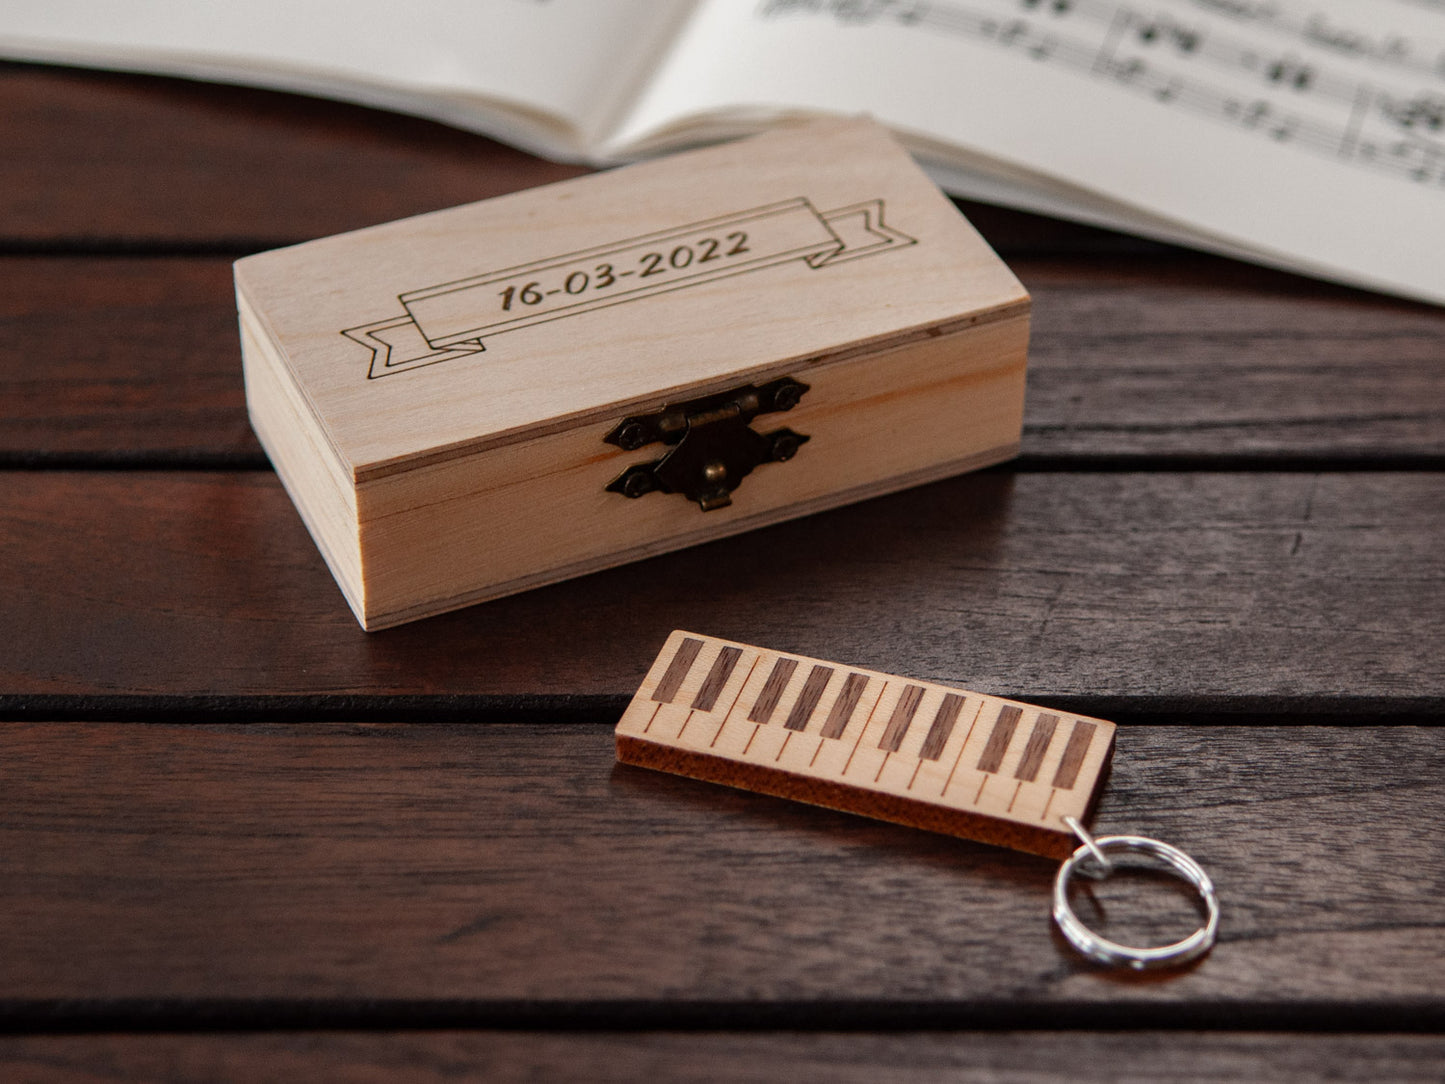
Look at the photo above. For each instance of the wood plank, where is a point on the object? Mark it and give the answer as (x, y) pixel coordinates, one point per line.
(1097, 593)
(1022, 1057)
(1190, 359)
(1206, 358)
(232, 156)
(117, 359)
(306, 870)
(243, 168)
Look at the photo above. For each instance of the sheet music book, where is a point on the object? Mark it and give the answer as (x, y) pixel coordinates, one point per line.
(1303, 134)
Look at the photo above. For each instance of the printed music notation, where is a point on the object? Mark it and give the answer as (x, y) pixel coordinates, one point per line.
(1296, 78)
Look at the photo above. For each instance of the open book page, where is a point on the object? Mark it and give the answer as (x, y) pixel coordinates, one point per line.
(1305, 133)
(546, 74)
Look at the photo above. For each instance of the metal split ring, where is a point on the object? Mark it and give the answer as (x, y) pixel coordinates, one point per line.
(1100, 949)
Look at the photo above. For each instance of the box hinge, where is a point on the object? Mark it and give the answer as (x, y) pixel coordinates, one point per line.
(714, 445)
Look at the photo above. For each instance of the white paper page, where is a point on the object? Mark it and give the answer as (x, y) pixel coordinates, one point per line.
(1308, 132)
(560, 66)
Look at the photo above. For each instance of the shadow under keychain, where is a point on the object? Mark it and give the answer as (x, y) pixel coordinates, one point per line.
(915, 753)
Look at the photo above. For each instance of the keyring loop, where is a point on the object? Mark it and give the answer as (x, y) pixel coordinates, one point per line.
(1102, 950)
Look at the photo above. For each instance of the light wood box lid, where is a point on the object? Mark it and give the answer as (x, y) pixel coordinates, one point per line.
(449, 270)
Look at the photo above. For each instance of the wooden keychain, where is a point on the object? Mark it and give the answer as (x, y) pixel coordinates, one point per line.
(912, 752)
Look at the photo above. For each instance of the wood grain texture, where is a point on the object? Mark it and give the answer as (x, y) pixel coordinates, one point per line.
(242, 168)
(1190, 359)
(1218, 359)
(1022, 1057)
(114, 359)
(1097, 593)
(500, 866)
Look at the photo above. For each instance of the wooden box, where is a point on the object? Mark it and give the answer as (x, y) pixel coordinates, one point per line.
(481, 400)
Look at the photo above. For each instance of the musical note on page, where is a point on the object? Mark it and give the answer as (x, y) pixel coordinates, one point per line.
(1284, 74)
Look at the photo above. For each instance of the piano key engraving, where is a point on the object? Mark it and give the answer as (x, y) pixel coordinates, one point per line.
(808, 698)
(677, 671)
(772, 691)
(998, 742)
(1074, 753)
(843, 707)
(903, 712)
(867, 721)
(733, 702)
(942, 727)
(1033, 758)
(938, 784)
(717, 679)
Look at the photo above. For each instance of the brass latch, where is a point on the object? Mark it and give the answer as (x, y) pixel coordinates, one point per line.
(714, 446)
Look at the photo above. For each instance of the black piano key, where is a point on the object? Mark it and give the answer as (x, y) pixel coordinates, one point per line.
(843, 707)
(717, 678)
(902, 716)
(1033, 758)
(772, 690)
(808, 698)
(677, 670)
(1074, 753)
(942, 727)
(1003, 732)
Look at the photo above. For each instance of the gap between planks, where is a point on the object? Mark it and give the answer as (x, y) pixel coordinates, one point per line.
(603, 710)
(241, 1015)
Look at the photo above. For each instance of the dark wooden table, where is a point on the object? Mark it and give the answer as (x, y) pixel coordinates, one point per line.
(239, 838)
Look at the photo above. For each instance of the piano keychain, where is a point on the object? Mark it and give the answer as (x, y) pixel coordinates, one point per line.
(912, 752)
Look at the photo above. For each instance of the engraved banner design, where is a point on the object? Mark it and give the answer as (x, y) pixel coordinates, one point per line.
(451, 319)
